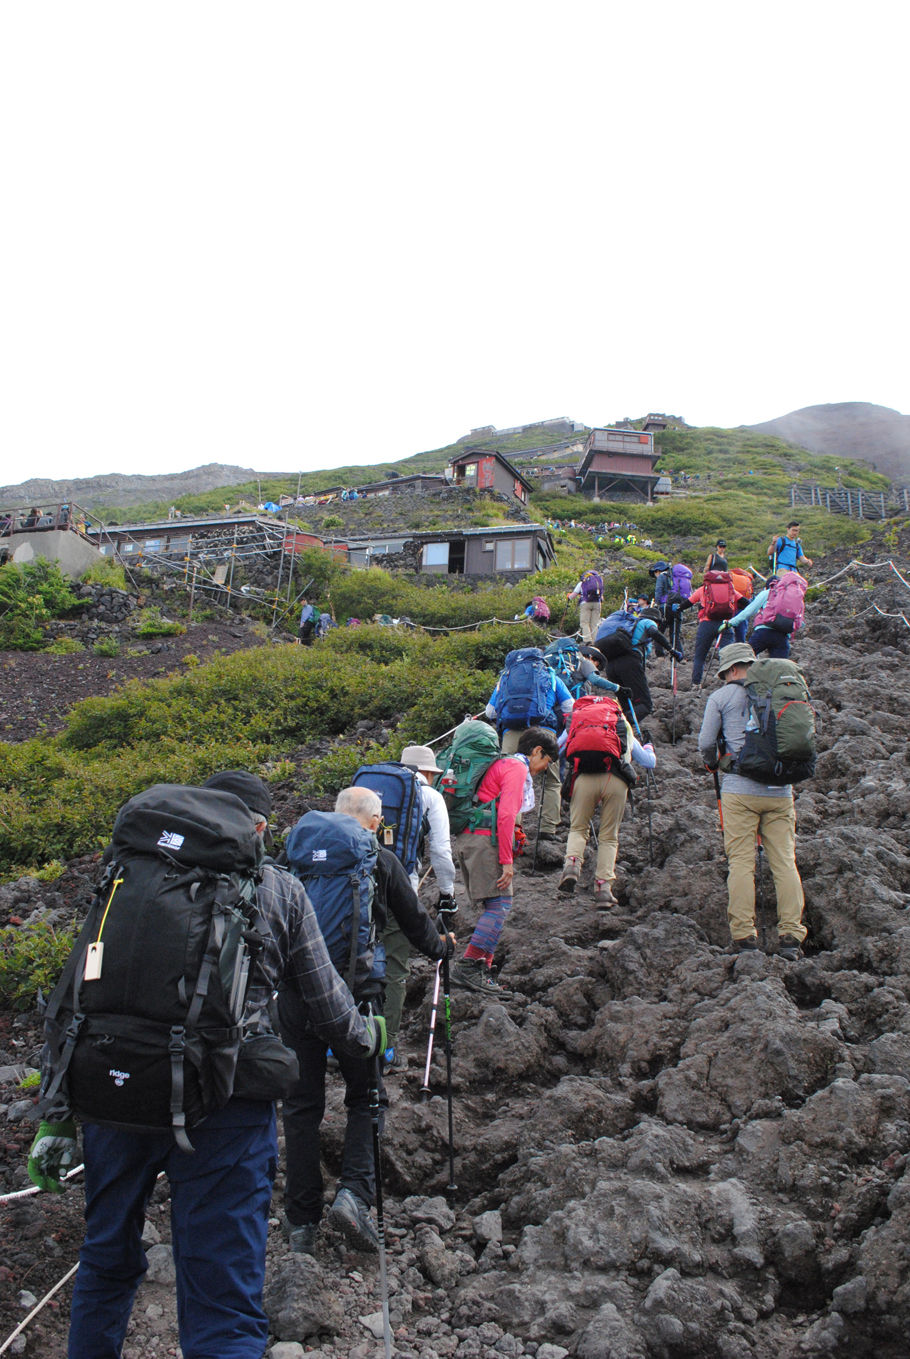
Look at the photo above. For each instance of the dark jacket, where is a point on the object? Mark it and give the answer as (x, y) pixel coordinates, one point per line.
(626, 667)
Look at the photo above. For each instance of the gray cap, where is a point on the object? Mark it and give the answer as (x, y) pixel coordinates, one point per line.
(420, 757)
(737, 653)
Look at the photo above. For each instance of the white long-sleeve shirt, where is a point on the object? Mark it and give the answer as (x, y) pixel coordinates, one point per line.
(439, 839)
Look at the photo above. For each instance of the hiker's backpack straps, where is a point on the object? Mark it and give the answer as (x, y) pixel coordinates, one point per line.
(599, 739)
(785, 609)
(592, 586)
(526, 691)
(779, 748)
(474, 748)
(719, 595)
(398, 786)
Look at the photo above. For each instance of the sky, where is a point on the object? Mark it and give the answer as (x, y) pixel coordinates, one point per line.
(290, 236)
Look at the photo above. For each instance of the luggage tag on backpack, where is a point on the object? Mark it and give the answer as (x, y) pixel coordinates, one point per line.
(388, 835)
(93, 962)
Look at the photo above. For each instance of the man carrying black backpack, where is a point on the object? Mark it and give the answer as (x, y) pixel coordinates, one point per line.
(221, 1192)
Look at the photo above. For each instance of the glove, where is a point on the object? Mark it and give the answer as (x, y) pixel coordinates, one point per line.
(446, 905)
(625, 694)
(376, 1034)
(448, 941)
(676, 653)
(52, 1152)
(712, 765)
(645, 737)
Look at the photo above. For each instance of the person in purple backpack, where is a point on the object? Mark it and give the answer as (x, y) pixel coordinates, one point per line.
(590, 592)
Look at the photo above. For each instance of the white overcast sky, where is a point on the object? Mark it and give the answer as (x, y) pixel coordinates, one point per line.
(290, 236)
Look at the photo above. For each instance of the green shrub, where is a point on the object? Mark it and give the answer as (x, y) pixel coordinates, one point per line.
(152, 623)
(30, 596)
(107, 572)
(31, 958)
(64, 646)
(106, 646)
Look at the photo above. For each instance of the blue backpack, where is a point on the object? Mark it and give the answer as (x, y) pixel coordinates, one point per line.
(526, 690)
(335, 858)
(620, 621)
(563, 657)
(402, 827)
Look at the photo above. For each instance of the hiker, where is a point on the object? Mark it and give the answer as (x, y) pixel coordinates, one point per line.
(750, 809)
(744, 586)
(485, 852)
(316, 839)
(786, 551)
(717, 599)
(625, 667)
(439, 847)
(221, 1193)
(589, 592)
(779, 612)
(591, 663)
(530, 694)
(307, 624)
(716, 560)
(600, 747)
(538, 610)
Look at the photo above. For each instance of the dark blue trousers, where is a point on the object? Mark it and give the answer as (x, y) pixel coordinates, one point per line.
(220, 1197)
(705, 636)
(303, 1111)
(777, 644)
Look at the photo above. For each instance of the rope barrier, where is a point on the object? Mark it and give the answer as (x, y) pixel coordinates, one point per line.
(37, 1308)
(33, 1189)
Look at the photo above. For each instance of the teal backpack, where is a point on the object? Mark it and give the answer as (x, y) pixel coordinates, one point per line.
(474, 748)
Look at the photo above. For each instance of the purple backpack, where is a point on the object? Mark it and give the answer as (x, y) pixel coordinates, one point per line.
(682, 579)
(592, 586)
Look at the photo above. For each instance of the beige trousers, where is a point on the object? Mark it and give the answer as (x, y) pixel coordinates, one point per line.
(588, 619)
(774, 819)
(609, 792)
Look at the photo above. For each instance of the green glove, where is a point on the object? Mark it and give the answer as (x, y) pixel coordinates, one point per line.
(376, 1033)
(52, 1152)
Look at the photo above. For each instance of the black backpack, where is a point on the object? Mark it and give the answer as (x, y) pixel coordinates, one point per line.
(145, 1027)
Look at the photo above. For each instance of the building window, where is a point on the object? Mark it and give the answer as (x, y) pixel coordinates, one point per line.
(436, 554)
(514, 554)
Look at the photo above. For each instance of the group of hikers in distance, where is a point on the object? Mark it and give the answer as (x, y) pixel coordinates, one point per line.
(213, 977)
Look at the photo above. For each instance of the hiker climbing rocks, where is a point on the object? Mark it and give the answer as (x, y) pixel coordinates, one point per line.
(751, 809)
(716, 560)
(221, 1193)
(590, 592)
(330, 851)
(778, 612)
(439, 847)
(530, 694)
(786, 551)
(599, 752)
(717, 599)
(485, 850)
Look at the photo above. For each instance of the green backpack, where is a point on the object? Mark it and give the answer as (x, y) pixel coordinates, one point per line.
(780, 725)
(474, 747)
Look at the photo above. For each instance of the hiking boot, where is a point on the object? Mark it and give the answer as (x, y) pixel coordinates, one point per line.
(789, 949)
(474, 975)
(352, 1218)
(548, 835)
(747, 945)
(302, 1237)
(603, 895)
(569, 876)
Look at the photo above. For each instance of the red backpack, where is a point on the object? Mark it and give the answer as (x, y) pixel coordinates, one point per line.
(597, 743)
(719, 595)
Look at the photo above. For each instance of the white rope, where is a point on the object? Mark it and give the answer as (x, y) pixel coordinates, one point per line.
(864, 566)
(33, 1189)
(37, 1308)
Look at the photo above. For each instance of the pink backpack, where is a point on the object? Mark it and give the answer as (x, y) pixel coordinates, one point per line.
(785, 608)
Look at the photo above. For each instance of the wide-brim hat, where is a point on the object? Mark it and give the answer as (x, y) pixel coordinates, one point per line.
(737, 653)
(420, 757)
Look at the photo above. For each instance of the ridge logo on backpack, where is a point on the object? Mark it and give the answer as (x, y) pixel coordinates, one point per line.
(780, 725)
(599, 738)
(335, 859)
(403, 825)
(526, 691)
(785, 608)
(592, 586)
(145, 1027)
(474, 748)
(719, 595)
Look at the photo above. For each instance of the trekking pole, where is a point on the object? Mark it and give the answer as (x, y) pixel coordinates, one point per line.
(537, 836)
(720, 810)
(380, 1217)
(762, 914)
(673, 711)
(651, 786)
(649, 776)
(451, 1186)
(425, 1088)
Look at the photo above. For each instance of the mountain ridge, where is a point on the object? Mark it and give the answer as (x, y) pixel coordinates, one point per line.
(874, 434)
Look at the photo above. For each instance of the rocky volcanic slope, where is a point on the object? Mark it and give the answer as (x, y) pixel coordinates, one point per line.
(662, 1150)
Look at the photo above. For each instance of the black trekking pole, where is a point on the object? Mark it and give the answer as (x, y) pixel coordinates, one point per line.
(720, 810)
(380, 1217)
